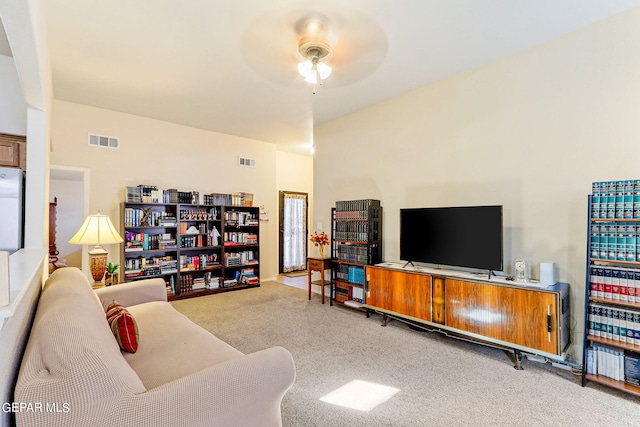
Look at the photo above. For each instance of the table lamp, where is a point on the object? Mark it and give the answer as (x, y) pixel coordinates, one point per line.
(97, 230)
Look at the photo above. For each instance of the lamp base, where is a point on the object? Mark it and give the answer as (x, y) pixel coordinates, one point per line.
(98, 265)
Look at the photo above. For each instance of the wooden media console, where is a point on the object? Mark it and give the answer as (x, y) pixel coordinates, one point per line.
(493, 311)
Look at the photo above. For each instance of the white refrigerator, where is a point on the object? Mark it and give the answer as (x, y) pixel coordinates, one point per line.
(11, 209)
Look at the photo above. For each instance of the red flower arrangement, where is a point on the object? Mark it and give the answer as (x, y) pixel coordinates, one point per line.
(320, 239)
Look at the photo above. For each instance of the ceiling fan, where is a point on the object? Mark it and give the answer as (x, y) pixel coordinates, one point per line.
(337, 40)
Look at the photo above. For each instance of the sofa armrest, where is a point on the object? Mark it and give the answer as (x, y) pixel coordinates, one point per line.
(246, 391)
(133, 293)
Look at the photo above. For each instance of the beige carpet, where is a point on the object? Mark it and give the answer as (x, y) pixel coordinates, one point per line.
(440, 381)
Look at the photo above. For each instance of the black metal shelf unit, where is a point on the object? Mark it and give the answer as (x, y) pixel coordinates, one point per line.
(356, 241)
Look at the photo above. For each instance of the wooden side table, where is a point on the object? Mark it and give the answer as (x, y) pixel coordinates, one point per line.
(318, 264)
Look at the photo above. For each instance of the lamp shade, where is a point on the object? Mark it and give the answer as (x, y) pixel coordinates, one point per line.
(96, 230)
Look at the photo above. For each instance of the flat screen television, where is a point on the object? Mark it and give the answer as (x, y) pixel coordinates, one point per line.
(466, 236)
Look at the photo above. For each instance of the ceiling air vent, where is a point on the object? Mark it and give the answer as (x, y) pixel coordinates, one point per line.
(104, 141)
(246, 162)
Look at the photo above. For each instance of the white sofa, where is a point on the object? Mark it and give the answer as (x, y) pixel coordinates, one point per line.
(73, 372)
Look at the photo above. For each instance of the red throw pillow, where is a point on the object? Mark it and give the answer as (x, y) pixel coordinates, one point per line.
(123, 326)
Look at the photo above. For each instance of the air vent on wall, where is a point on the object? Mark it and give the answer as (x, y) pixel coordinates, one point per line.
(104, 141)
(246, 162)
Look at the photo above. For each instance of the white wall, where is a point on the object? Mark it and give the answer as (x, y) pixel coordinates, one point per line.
(295, 173)
(531, 132)
(25, 32)
(169, 156)
(13, 108)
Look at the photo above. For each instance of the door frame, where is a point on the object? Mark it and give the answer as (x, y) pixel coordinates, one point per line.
(281, 225)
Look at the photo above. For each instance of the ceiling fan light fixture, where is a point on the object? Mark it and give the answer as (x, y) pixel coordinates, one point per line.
(315, 54)
(323, 70)
(312, 77)
(305, 67)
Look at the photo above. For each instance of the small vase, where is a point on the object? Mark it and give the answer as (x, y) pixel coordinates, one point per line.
(321, 250)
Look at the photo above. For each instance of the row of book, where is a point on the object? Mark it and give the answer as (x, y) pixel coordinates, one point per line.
(353, 253)
(239, 219)
(616, 199)
(145, 217)
(150, 270)
(247, 276)
(344, 294)
(142, 194)
(241, 199)
(620, 365)
(198, 241)
(235, 259)
(615, 284)
(188, 283)
(217, 199)
(185, 284)
(342, 272)
(355, 209)
(614, 323)
(354, 231)
(238, 238)
(198, 262)
(199, 214)
(146, 241)
(234, 199)
(173, 195)
(615, 241)
(150, 194)
(356, 275)
(140, 262)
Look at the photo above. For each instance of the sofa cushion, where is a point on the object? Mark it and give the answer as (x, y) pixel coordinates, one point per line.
(172, 346)
(123, 326)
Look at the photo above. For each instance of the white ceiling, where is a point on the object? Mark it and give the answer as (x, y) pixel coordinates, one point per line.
(230, 66)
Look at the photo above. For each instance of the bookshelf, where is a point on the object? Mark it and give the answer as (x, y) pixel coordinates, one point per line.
(356, 241)
(198, 249)
(611, 353)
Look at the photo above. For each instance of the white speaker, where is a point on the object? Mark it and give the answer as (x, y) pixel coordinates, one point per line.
(547, 273)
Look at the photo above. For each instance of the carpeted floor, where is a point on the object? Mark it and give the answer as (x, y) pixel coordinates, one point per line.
(437, 380)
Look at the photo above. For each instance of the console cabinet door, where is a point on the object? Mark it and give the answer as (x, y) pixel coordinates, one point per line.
(403, 293)
(518, 316)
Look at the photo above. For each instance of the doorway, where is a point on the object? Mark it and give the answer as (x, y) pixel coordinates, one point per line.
(293, 218)
(70, 186)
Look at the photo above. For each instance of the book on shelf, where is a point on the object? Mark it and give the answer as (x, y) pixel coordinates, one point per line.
(133, 195)
(614, 363)
(217, 199)
(133, 273)
(167, 221)
(248, 276)
(242, 199)
(229, 282)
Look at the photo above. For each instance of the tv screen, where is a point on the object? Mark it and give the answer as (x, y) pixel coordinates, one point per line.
(468, 236)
